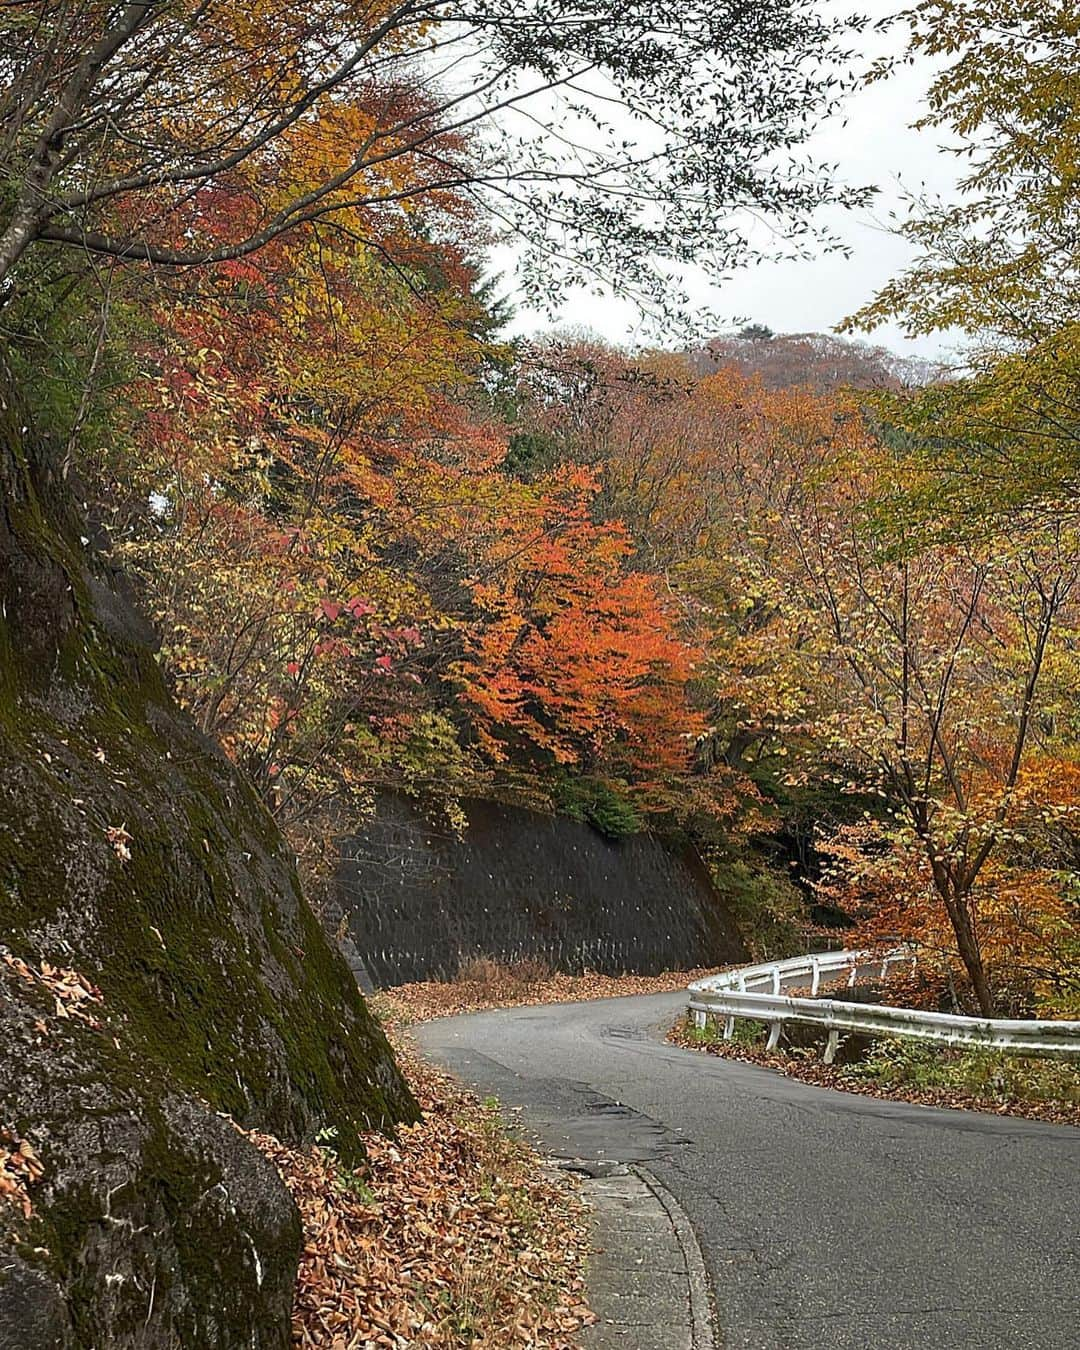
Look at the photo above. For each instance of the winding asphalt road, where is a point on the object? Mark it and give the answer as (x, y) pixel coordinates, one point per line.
(826, 1219)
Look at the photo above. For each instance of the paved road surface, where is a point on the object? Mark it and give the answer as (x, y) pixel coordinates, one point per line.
(826, 1219)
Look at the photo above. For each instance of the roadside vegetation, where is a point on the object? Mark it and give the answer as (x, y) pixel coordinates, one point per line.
(1037, 1087)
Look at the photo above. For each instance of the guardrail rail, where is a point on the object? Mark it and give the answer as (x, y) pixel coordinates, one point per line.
(756, 993)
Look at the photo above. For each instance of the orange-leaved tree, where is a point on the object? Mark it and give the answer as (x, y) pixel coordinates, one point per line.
(353, 593)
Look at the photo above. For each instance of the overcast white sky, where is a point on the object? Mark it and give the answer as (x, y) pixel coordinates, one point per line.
(873, 144)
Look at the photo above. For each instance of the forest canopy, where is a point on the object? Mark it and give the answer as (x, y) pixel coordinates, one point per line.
(807, 604)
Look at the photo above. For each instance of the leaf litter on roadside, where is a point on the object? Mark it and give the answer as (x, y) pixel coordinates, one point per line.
(505, 987)
(450, 1235)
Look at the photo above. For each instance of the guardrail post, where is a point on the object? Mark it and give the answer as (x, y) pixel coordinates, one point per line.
(774, 1035)
(854, 971)
(831, 1047)
(816, 969)
(775, 972)
(729, 1028)
(700, 1019)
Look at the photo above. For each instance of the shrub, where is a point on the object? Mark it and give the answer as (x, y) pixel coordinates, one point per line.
(596, 802)
(497, 974)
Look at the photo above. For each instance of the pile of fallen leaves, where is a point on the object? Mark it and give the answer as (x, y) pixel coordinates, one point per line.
(505, 987)
(450, 1235)
(20, 1167)
(807, 1066)
(72, 994)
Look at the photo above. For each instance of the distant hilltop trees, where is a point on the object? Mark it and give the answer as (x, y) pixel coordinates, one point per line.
(818, 361)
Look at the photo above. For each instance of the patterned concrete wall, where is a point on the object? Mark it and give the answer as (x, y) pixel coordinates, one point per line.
(521, 884)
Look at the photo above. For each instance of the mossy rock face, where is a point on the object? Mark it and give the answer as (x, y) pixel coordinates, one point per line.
(155, 1223)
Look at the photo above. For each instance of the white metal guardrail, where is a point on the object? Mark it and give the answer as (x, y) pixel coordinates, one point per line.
(756, 992)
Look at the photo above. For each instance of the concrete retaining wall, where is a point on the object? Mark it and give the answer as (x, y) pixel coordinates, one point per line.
(521, 884)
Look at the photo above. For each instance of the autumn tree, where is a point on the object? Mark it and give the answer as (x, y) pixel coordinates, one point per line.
(926, 678)
(128, 128)
(935, 683)
(353, 593)
(575, 652)
(1000, 262)
(685, 465)
(915, 684)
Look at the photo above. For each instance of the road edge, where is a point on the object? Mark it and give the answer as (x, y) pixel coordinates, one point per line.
(701, 1303)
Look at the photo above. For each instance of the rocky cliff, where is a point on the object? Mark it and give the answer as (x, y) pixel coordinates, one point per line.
(159, 973)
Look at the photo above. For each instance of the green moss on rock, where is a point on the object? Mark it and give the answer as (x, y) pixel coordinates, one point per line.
(157, 1223)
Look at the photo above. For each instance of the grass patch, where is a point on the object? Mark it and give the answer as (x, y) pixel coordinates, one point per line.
(747, 1031)
(1041, 1087)
(989, 1075)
